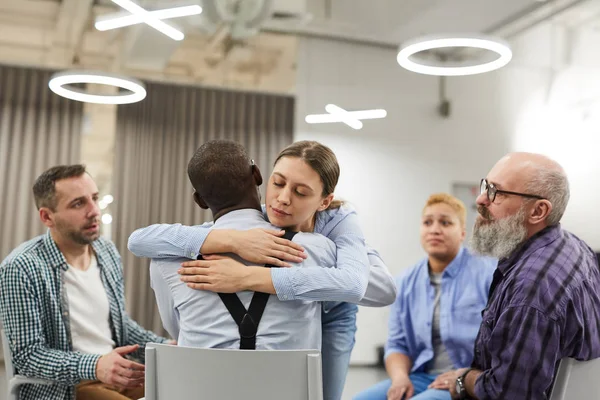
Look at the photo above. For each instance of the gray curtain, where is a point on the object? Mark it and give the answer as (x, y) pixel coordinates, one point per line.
(38, 130)
(156, 138)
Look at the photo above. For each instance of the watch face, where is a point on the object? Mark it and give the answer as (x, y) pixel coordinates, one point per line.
(458, 387)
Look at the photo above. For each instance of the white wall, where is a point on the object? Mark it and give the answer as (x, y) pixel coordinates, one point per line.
(558, 114)
(391, 166)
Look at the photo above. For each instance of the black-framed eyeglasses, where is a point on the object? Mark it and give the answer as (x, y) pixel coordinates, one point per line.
(492, 190)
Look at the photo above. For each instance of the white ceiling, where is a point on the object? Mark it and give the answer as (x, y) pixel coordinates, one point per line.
(60, 34)
(398, 20)
(390, 22)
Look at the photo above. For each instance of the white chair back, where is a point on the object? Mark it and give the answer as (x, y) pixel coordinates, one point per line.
(577, 380)
(10, 372)
(14, 382)
(174, 372)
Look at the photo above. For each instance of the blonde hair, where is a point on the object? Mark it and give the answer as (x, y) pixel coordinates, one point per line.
(322, 160)
(454, 203)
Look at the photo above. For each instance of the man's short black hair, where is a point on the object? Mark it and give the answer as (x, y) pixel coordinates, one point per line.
(221, 173)
(44, 188)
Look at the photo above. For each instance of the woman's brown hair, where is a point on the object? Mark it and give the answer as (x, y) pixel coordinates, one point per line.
(321, 159)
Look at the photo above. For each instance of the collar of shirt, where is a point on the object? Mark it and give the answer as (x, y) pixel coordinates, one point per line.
(237, 215)
(455, 265)
(537, 241)
(55, 256)
(58, 260)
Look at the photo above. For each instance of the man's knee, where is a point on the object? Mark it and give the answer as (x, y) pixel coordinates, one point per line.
(96, 390)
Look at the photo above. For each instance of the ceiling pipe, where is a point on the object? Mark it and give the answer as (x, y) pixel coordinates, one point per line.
(515, 25)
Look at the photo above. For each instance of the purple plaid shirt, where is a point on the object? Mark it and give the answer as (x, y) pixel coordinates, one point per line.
(545, 307)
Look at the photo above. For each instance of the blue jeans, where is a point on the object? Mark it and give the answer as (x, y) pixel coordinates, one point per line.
(420, 381)
(339, 327)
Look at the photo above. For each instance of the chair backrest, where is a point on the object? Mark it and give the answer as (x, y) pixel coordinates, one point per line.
(577, 380)
(10, 371)
(174, 372)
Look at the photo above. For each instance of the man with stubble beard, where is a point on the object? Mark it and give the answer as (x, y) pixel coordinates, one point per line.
(62, 304)
(544, 302)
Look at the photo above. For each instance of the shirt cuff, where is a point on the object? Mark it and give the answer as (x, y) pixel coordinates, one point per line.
(153, 338)
(164, 339)
(283, 284)
(479, 387)
(86, 368)
(194, 242)
(390, 351)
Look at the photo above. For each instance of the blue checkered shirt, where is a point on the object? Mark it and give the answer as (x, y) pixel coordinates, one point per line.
(35, 315)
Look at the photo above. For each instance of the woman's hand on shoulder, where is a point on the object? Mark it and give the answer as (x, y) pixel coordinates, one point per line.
(267, 246)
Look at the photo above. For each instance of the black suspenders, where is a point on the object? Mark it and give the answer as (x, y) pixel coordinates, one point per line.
(248, 320)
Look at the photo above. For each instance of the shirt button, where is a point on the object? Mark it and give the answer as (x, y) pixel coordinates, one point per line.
(285, 297)
(192, 255)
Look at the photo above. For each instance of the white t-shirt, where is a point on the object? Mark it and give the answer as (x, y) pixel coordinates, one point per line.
(89, 310)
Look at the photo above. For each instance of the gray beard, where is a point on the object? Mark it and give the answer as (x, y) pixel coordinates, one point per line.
(499, 238)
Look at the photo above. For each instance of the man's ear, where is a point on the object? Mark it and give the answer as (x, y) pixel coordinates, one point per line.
(200, 201)
(540, 211)
(46, 217)
(258, 179)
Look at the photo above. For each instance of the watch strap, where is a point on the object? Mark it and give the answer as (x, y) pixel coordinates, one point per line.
(461, 382)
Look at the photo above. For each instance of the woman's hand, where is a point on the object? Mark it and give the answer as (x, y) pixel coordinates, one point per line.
(214, 273)
(266, 246)
(225, 275)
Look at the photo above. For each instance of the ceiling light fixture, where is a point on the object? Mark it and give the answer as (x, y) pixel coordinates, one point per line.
(350, 118)
(59, 81)
(114, 21)
(344, 116)
(407, 55)
(150, 19)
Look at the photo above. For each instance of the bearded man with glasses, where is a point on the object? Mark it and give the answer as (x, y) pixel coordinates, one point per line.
(544, 301)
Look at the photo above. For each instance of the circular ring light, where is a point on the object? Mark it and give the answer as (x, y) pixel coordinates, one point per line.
(407, 59)
(59, 81)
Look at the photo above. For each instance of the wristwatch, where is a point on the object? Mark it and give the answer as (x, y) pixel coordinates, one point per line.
(461, 389)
